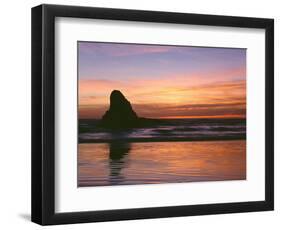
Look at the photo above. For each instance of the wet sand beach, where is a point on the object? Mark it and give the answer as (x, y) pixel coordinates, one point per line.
(125, 163)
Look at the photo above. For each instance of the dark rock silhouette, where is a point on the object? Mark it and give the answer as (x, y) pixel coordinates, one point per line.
(118, 152)
(121, 114)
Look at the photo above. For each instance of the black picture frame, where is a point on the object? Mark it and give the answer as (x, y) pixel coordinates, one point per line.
(43, 114)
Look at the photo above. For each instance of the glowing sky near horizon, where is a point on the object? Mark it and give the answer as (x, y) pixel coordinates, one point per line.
(162, 81)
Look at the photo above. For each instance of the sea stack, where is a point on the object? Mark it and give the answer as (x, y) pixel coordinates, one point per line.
(120, 113)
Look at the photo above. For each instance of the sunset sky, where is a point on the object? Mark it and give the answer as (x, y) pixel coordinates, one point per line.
(162, 81)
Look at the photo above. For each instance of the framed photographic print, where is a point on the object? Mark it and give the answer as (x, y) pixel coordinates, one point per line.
(142, 114)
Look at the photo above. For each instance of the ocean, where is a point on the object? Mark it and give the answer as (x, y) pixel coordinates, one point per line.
(168, 130)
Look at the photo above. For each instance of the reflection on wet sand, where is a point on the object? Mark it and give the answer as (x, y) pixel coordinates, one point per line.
(117, 160)
(160, 162)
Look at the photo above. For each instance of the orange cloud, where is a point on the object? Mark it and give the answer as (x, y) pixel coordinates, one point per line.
(166, 99)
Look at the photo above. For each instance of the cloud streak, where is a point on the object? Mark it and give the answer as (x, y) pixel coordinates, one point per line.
(224, 98)
(122, 50)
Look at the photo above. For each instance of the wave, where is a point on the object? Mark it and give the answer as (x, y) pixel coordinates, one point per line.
(168, 130)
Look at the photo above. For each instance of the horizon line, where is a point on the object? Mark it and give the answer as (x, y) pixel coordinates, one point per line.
(230, 116)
